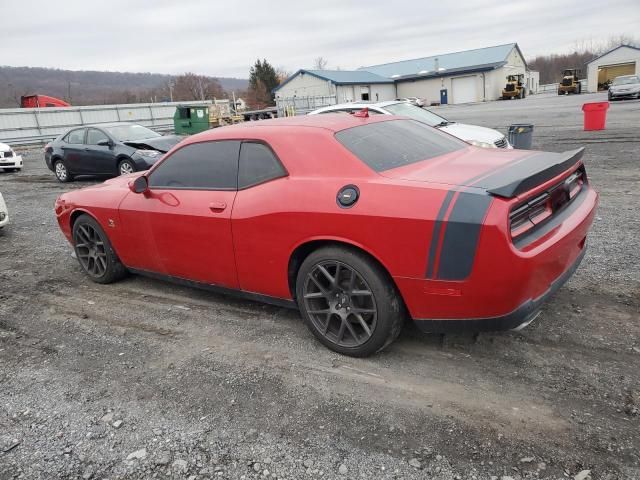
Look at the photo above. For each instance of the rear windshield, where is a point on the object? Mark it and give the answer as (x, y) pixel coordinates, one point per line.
(395, 143)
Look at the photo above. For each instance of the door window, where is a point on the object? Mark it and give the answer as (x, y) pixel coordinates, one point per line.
(258, 164)
(75, 137)
(95, 136)
(199, 166)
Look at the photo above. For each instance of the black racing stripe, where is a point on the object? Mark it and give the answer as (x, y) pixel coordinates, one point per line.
(437, 226)
(461, 236)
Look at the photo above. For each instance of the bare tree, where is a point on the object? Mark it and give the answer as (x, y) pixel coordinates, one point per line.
(190, 86)
(320, 63)
(282, 74)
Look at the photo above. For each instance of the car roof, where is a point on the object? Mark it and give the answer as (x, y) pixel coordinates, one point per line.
(332, 122)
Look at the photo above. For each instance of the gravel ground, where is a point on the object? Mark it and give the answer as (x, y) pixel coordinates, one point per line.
(142, 379)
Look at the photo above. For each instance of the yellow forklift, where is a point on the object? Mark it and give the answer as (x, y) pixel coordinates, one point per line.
(570, 82)
(515, 87)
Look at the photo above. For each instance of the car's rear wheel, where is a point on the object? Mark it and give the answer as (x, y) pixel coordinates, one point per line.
(126, 167)
(62, 172)
(348, 301)
(94, 251)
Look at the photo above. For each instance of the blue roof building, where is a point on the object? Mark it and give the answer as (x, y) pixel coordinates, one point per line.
(467, 76)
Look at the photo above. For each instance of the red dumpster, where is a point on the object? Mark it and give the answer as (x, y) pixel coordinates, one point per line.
(595, 115)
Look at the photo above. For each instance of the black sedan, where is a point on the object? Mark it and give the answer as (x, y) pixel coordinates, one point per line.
(108, 149)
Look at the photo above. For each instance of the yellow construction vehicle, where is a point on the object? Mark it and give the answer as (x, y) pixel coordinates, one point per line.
(514, 88)
(570, 82)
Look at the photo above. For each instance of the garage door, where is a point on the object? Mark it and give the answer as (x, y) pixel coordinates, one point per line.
(606, 73)
(464, 90)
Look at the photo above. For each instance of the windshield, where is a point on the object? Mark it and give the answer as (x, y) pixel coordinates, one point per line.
(626, 80)
(131, 133)
(416, 113)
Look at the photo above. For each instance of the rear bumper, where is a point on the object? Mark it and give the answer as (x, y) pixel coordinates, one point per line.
(508, 281)
(520, 316)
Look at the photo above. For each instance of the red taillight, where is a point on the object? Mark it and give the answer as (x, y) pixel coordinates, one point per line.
(535, 211)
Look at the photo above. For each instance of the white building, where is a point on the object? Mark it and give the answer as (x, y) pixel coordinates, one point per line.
(470, 76)
(622, 60)
(347, 86)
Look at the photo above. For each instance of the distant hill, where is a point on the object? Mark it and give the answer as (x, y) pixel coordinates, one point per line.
(90, 87)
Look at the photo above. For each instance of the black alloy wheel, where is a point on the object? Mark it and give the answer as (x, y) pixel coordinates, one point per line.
(94, 252)
(348, 301)
(340, 304)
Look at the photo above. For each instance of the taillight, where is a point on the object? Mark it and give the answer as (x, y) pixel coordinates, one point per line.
(538, 209)
(530, 214)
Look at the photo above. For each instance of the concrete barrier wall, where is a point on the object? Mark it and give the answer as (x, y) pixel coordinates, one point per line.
(23, 126)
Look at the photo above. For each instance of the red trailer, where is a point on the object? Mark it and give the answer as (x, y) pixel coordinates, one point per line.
(40, 101)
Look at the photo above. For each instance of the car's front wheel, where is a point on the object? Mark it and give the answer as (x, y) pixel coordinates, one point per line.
(94, 251)
(126, 167)
(348, 301)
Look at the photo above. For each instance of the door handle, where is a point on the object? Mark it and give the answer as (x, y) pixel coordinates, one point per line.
(217, 206)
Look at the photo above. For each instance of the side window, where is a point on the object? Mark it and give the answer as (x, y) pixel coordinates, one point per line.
(199, 166)
(95, 136)
(75, 137)
(258, 164)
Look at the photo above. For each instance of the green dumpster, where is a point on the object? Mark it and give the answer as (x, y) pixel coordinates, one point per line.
(190, 119)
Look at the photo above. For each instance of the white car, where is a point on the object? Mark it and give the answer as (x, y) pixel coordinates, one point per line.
(473, 134)
(4, 213)
(418, 102)
(9, 159)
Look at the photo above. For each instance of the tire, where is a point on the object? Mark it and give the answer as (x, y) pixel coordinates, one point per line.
(62, 172)
(94, 252)
(359, 324)
(559, 92)
(126, 167)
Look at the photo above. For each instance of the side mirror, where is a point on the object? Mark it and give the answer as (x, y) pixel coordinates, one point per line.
(104, 143)
(139, 185)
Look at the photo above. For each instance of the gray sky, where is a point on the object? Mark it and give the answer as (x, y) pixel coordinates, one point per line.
(224, 38)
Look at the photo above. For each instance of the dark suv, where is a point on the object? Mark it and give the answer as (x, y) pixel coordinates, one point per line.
(108, 150)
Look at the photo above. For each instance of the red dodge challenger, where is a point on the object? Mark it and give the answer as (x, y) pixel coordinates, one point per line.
(356, 221)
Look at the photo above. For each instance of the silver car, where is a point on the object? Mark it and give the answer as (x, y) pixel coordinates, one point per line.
(627, 86)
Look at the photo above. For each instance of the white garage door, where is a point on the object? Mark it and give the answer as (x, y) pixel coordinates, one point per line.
(464, 90)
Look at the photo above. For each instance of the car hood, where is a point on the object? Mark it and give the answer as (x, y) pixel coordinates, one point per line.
(472, 132)
(162, 144)
(625, 88)
(500, 172)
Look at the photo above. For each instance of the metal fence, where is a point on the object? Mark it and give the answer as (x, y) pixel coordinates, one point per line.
(290, 106)
(553, 87)
(23, 126)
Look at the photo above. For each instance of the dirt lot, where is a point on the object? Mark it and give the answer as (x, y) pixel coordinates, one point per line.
(143, 379)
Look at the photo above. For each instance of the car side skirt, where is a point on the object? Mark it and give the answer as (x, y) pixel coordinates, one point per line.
(256, 297)
(521, 316)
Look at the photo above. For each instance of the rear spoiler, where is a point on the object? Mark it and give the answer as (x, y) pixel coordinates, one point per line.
(529, 172)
